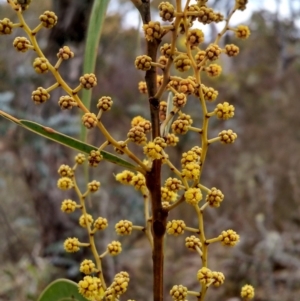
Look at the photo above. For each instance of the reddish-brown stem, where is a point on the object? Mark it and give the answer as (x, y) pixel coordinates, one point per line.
(153, 177)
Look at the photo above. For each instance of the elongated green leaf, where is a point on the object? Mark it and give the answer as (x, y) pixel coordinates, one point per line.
(91, 48)
(61, 290)
(68, 141)
(96, 21)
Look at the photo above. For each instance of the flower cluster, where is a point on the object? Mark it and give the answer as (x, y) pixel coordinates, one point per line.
(224, 111)
(104, 103)
(209, 93)
(242, 32)
(40, 95)
(193, 196)
(227, 136)
(94, 158)
(118, 286)
(114, 248)
(191, 171)
(89, 120)
(178, 292)
(137, 135)
(65, 183)
(93, 186)
(71, 245)
(85, 220)
(182, 62)
(88, 81)
(166, 11)
(65, 53)
(176, 227)
(68, 206)
(213, 52)
(152, 30)
(214, 197)
(123, 227)
(90, 287)
(247, 292)
(80, 158)
(192, 242)
(100, 223)
(143, 62)
(66, 102)
(196, 57)
(48, 19)
(21, 44)
(168, 195)
(87, 267)
(173, 184)
(229, 238)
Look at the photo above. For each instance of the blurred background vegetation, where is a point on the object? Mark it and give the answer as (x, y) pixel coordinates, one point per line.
(259, 174)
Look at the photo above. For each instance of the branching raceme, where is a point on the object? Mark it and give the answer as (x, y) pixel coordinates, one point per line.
(185, 185)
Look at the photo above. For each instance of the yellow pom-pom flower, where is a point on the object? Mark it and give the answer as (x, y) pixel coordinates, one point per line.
(48, 19)
(224, 111)
(143, 62)
(137, 135)
(178, 292)
(173, 184)
(6, 26)
(232, 50)
(40, 65)
(213, 70)
(191, 171)
(90, 287)
(215, 197)
(189, 157)
(227, 136)
(87, 267)
(191, 242)
(213, 52)
(65, 171)
(100, 223)
(218, 278)
(114, 248)
(204, 275)
(153, 151)
(138, 181)
(242, 32)
(88, 81)
(68, 206)
(193, 196)
(21, 44)
(229, 238)
(137, 120)
(89, 120)
(182, 62)
(93, 186)
(71, 245)
(152, 30)
(125, 177)
(247, 292)
(65, 183)
(84, 220)
(195, 36)
(120, 283)
(168, 195)
(124, 227)
(176, 227)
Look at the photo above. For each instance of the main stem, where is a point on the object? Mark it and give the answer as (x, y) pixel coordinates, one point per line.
(159, 218)
(153, 177)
